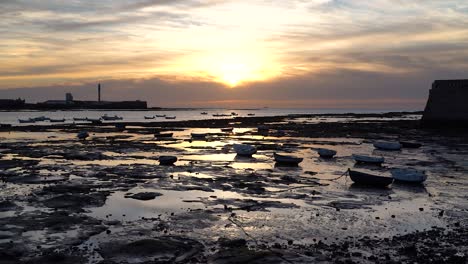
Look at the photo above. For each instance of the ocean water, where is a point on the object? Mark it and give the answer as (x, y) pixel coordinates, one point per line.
(11, 117)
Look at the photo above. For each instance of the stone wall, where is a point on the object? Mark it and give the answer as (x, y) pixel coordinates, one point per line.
(447, 103)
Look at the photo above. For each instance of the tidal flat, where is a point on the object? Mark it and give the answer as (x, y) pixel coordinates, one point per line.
(107, 199)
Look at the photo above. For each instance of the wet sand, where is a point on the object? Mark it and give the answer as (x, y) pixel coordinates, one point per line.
(107, 200)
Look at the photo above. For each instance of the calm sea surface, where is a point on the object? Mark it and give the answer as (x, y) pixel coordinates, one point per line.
(7, 117)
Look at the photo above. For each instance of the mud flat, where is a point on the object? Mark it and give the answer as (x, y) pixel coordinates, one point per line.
(107, 200)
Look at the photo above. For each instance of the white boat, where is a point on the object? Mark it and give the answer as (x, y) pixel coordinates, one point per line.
(408, 175)
(170, 117)
(244, 149)
(198, 135)
(387, 145)
(111, 118)
(326, 153)
(368, 159)
(227, 129)
(150, 117)
(24, 121)
(82, 134)
(167, 160)
(287, 159)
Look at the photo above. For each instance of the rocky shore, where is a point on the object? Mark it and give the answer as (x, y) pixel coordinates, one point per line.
(106, 199)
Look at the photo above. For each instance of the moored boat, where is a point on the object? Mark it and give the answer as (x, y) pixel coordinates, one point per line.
(160, 115)
(24, 121)
(80, 119)
(227, 129)
(163, 135)
(82, 134)
(111, 118)
(198, 135)
(203, 113)
(370, 179)
(167, 160)
(387, 145)
(40, 118)
(250, 114)
(287, 159)
(149, 117)
(244, 149)
(408, 175)
(170, 117)
(368, 159)
(326, 153)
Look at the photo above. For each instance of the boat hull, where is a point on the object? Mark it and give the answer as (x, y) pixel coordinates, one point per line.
(362, 178)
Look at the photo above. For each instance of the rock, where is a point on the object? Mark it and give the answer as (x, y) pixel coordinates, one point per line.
(144, 196)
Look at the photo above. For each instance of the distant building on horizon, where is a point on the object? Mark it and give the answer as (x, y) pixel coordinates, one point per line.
(447, 104)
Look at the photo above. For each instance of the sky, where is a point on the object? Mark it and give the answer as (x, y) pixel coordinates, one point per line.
(380, 54)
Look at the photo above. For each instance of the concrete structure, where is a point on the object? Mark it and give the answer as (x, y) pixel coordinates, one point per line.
(447, 104)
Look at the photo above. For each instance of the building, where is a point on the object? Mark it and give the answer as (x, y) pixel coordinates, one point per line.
(12, 103)
(447, 104)
(69, 97)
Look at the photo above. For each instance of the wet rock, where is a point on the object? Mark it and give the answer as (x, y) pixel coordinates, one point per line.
(243, 255)
(77, 201)
(144, 196)
(7, 206)
(166, 248)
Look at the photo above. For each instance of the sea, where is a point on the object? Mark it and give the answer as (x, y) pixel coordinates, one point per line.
(12, 117)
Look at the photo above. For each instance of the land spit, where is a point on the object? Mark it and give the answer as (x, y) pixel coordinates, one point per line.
(107, 200)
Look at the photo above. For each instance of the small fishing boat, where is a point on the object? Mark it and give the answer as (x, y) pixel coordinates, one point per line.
(368, 159)
(408, 175)
(167, 160)
(203, 113)
(170, 117)
(364, 178)
(40, 118)
(24, 121)
(287, 159)
(82, 134)
(57, 120)
(198, 135)
(410, 144)
(234, 114)
(160, 115)
(326, 153)
(387, 145)
(217, 115)
(93, 119)
(111, 118)
(163, 135)
(250, 114)
(149, 117)
(80, 119)
(244, 150)
(227, 129)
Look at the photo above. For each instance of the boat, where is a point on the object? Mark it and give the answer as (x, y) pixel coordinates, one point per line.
(160, 115)
(364, 178)
(198, 135)
(410, 144)
(408, 175)
(326, 153)
(368, 159)
(234, 114)
(167, 160)
(227, 129)
(93, 119)
(82, 134)
(24, 121)
(217, 115)
(163, 135)
(287, 159)
(111, 118)
(40, 118)
(170, 117)
(80, 119)
(244, 150)
(250, 114)
(120, 127)
(57, 120)
(203, 113)
(149, 117)
(387, 145)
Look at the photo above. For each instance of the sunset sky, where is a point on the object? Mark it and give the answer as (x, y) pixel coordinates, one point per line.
(234, 53)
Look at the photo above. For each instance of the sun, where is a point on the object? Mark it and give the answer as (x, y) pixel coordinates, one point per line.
(232, 74)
